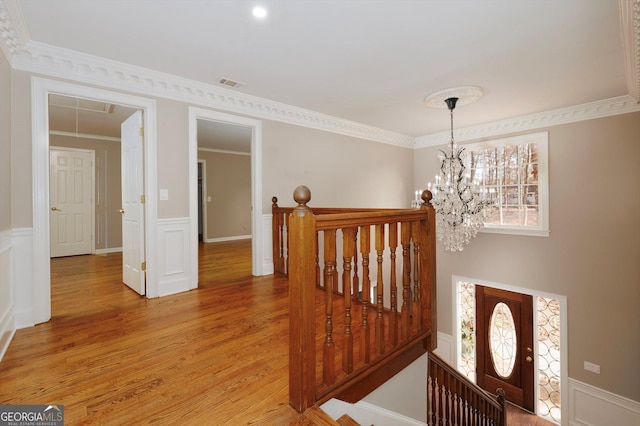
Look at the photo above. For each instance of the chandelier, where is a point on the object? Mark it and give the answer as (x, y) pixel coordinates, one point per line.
(456, 198)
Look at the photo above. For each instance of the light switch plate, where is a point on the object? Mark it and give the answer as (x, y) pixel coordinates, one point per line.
(164, 194)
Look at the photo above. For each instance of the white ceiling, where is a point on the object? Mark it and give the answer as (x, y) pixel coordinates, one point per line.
(369, 61)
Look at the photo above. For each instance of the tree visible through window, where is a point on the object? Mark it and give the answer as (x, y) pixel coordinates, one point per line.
(513, 174)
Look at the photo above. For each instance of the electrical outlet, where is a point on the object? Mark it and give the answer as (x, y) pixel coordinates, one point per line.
(589, 366)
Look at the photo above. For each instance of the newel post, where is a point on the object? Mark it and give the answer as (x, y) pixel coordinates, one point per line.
(429, 298)
(302, 283)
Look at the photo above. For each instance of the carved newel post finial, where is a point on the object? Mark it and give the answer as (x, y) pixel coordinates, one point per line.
(426, 197)
(274, 201)
(302, 195)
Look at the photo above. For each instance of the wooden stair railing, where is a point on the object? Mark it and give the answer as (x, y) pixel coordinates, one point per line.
(454, 400)
(346, 336)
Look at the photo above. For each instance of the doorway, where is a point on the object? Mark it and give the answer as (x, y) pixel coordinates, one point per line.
(252, 148)
(478, 303)
(41, 89)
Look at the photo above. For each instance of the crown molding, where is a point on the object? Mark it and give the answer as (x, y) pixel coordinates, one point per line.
(589, 111)
(630, 30)
(13, 31)
(67, 64)
(52, 61)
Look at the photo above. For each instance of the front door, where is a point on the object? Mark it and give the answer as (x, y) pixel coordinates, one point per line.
(71, 206)
(505, 344)
(133, 250)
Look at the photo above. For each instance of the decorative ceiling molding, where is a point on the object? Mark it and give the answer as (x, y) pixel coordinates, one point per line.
(63, 63)
(13, 31)
(44, 59)
(630, 29)
(607, 107)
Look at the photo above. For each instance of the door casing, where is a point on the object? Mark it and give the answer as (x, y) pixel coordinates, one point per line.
(40, 308)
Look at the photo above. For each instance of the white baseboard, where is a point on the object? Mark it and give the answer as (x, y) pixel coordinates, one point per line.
(233, 238)
(108, 250)
(592, 406)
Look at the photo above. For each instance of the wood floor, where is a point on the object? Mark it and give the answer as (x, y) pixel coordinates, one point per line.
(213, 356)
(216, 356)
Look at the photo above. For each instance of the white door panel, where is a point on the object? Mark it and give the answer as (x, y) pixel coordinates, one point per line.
(71, 203)
(133, 249)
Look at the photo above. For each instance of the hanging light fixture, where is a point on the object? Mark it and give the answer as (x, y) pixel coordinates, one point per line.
(456, 198)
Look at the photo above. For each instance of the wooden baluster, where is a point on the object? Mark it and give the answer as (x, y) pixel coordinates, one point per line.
(432, 376)
(447, 397)
(328, 354)
(440, 396)
(416, 311)
(379, 339)
(465, 407)
(456, 402)
(393, 315)
(356, 279)
(502, 401)
(318, 277)
(302, 312)
(405, 237)
(276, 235)
(347, 251)
(365, 333)
(285, 259)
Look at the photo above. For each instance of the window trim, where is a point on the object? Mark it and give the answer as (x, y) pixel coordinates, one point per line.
(541, 139)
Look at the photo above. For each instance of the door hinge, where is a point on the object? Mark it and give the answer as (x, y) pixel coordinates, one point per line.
(143, 266)
(141, 131)
(142, 199)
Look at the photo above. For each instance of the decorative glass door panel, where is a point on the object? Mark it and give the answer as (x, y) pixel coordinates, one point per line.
(505, 344)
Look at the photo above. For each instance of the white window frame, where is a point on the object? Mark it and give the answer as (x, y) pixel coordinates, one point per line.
(542, 141)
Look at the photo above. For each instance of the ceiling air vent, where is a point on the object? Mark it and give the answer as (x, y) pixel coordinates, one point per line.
(230, 83)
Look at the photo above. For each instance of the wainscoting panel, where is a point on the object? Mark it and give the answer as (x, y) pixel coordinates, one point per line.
(7, 319)
(22, 277)
(175, 274)
(593, 406)
(445, 349)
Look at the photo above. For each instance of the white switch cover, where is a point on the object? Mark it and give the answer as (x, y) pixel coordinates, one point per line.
(209, 199)
(164, 194)
(589, 366)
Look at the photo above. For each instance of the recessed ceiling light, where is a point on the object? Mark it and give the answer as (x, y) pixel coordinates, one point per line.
(259, 12)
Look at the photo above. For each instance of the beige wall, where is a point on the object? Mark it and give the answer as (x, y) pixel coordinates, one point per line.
(5, 144)
(108, 190)
(591, 256)
(228, 183)
(21, 176)
(339, 170)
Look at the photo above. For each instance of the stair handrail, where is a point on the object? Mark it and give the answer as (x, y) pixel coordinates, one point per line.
(463, 403)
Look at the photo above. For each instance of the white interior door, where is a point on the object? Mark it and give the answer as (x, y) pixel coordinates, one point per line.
(133, 250)
(71, 203)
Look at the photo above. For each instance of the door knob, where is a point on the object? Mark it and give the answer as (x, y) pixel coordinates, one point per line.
(121, 211)
(529, 359)
(55, 209)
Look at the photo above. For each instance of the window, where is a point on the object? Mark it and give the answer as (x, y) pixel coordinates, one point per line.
(513, 173)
